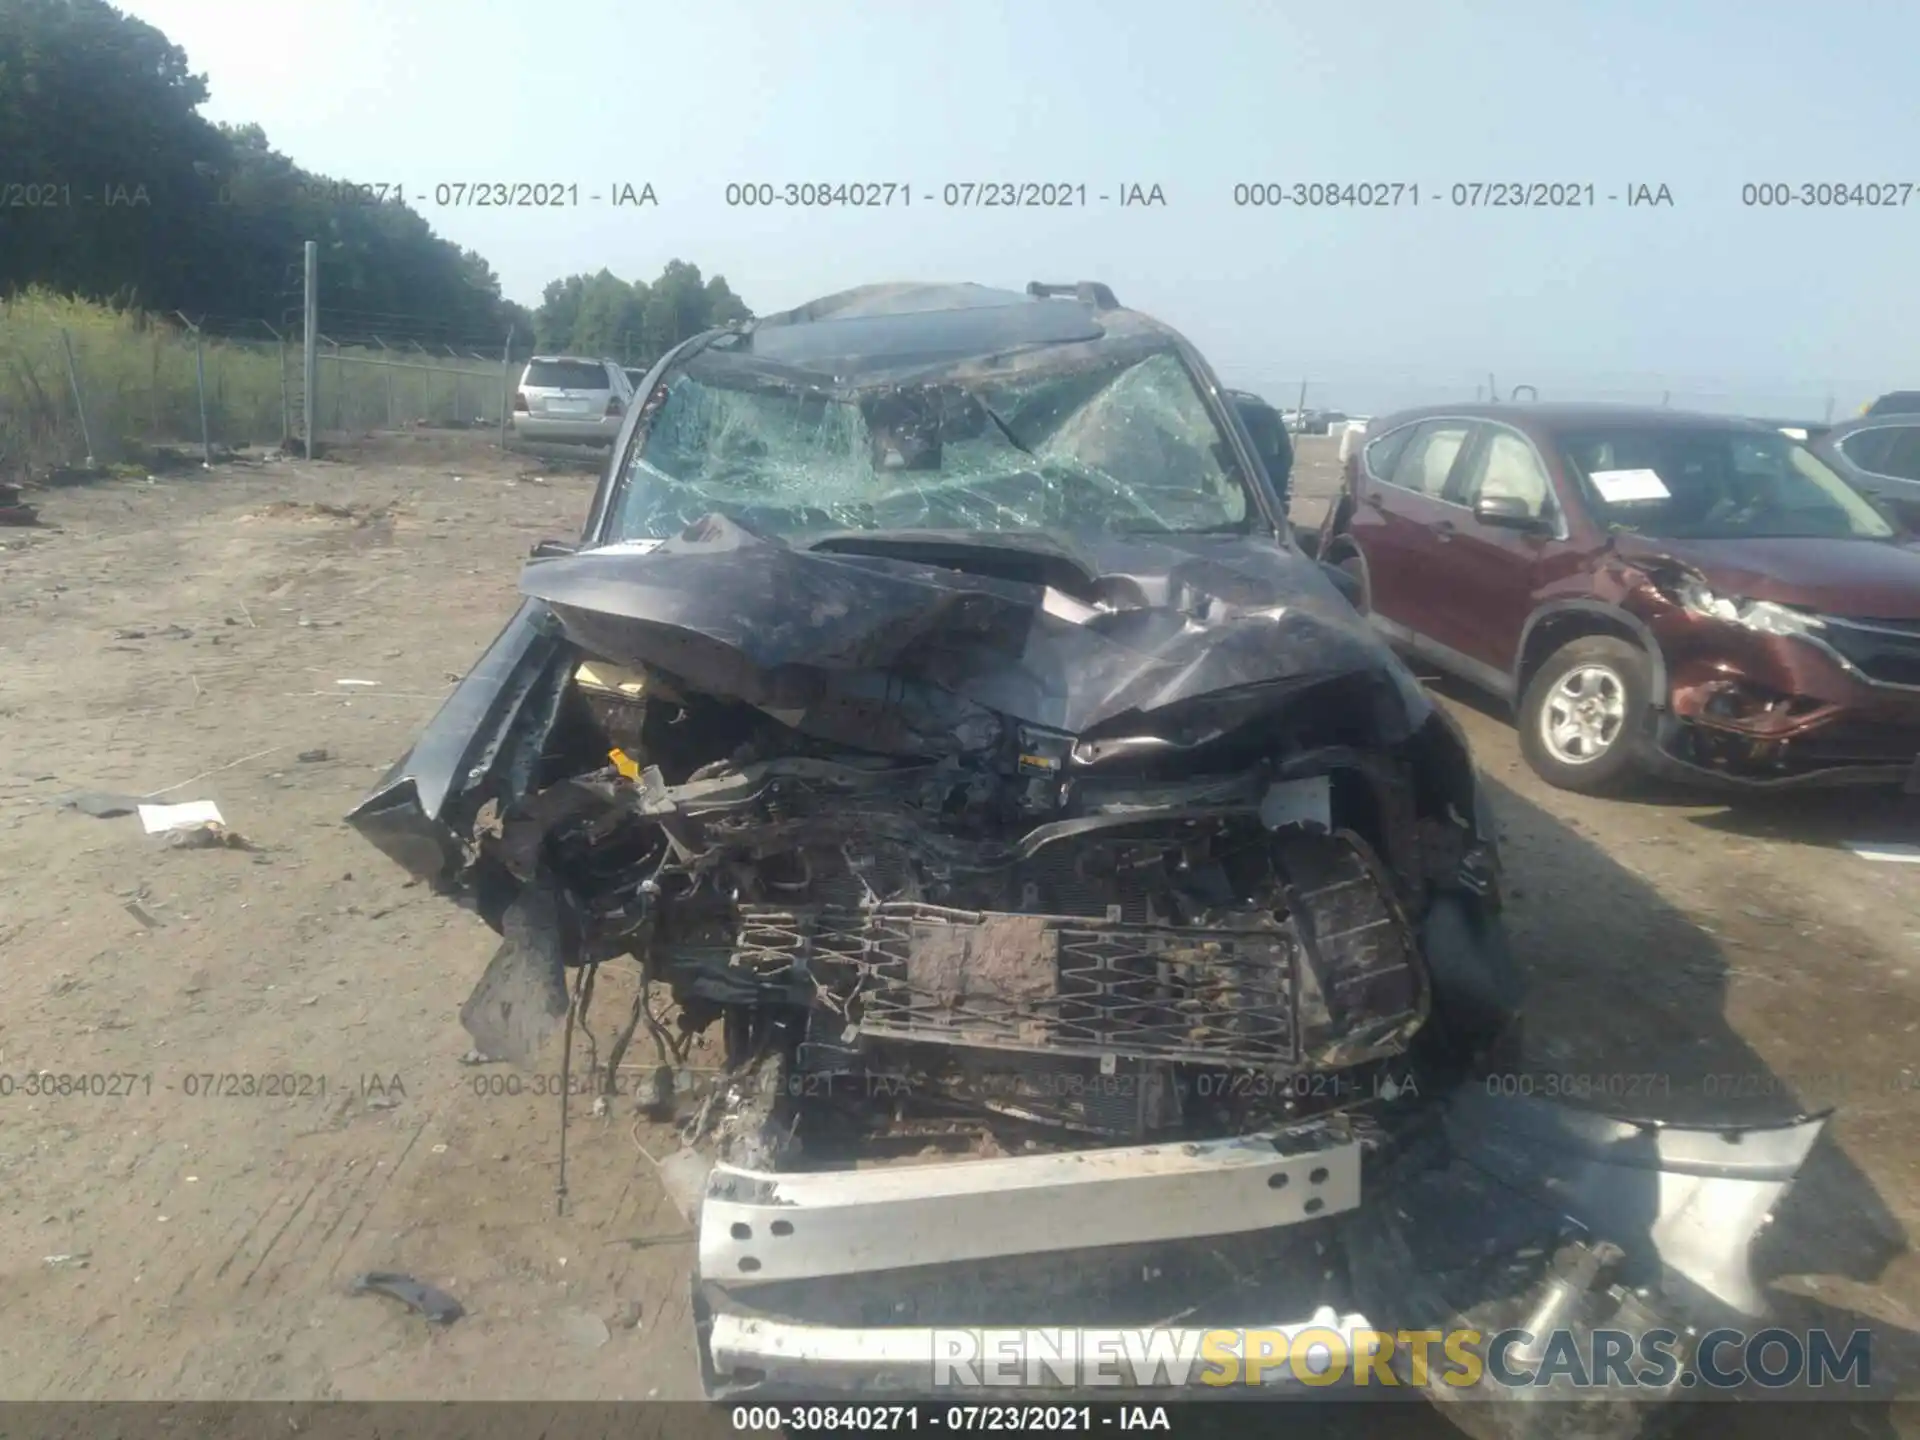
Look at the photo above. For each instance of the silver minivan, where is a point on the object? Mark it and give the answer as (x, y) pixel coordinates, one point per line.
(571, 399)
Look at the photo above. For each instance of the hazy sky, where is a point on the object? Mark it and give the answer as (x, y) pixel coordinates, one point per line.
(1715, 300)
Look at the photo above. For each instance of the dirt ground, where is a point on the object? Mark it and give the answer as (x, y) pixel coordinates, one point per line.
(172, 1233)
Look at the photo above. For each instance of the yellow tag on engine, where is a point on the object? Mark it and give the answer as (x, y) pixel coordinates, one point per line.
(625, 764)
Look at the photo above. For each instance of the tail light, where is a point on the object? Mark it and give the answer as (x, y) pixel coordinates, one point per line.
(613, 406)
(520, 406)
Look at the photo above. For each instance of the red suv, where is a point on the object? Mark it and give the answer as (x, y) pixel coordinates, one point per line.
(1653, 591)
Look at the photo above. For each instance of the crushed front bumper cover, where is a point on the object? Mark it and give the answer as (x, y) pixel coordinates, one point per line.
(1484, 1217)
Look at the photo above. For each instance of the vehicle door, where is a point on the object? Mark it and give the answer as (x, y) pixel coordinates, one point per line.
(1500, 541)
(1403, 524)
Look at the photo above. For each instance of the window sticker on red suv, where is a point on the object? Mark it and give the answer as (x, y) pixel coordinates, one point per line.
(1623, 487)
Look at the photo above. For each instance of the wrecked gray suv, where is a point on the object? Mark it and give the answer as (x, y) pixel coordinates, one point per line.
(1102, 926)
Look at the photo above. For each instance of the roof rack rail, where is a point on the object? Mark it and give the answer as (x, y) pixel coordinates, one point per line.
(1088, 292)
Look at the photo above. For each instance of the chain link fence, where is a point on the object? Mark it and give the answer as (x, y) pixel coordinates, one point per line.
(82, 384)
(360, 389)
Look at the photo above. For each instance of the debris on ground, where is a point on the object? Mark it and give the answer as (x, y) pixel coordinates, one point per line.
(140, 913)
(314, 757)
(683, 1175)
(587, 1331)
(356, 682)
(437, 1305)
(158, 819)
(626, 1316)
(171, 632)
(15, 511)
(1892, 852)
(76, 1261)
(100, 804)
(305, 510)
(212, 835)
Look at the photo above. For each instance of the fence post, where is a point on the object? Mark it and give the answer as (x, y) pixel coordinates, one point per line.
(200, 386)
(309, 340)
(506, 384)
(153, 388)
(79, 405)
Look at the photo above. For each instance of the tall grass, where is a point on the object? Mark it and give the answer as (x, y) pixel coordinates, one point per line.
(138, 384)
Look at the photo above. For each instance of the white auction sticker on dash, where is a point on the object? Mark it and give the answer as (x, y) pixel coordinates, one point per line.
(1618, 487)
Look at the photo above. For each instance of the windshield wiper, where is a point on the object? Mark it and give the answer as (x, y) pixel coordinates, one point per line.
(1005, 429)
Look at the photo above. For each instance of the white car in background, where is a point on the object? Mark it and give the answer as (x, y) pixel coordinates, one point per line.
(571, 400)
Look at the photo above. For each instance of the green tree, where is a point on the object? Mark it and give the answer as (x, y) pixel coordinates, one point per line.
(101, 111)
(151, 204)
(676, 308)
(610, 316)
(635, 322)
(723, 306)
(559, 310)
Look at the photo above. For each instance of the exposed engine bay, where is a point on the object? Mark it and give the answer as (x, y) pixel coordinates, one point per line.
(970, 918)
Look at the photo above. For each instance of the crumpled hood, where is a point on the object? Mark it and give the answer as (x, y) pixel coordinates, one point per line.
(1143, 626)
(1867, 579)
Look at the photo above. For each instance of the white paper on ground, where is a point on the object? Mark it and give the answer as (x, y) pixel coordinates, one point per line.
(356, 682)
(1895, 853)
(179, 817)
(1618, 487)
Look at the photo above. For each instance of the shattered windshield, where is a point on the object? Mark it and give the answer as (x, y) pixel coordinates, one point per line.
(1119, 448)
(1697, 484)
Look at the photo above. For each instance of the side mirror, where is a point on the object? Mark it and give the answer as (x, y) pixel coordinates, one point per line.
(1509, 512)
(552, 549)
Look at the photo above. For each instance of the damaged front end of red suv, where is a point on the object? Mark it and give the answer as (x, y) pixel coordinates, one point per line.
(1771, 693)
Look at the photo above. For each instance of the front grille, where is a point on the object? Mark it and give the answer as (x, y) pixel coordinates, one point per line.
(1070, 986)
(1214, 945)
(1886, 651)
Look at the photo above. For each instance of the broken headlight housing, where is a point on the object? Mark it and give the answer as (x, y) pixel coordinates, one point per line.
(1766, 616)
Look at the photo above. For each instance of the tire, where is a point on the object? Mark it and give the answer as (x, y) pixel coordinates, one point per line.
(1611, 677)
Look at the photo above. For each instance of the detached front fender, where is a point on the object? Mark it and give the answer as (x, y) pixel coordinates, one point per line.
(1565, 1224)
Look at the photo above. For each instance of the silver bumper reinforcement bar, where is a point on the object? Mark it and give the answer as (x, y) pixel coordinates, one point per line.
(759, 1227)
